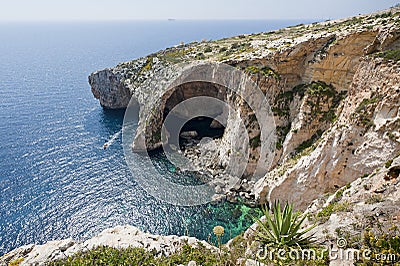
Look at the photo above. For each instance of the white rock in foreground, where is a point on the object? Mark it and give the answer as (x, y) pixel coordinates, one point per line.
(117, 237)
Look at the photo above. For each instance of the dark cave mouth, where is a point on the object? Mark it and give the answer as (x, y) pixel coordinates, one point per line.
(191, 110)
(194, 130)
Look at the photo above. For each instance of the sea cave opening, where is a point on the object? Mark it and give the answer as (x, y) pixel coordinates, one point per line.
(198, 128)
(203, 112)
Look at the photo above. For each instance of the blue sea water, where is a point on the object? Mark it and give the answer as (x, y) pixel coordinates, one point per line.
(56, 181)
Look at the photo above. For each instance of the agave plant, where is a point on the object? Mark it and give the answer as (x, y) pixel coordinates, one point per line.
(282, 228)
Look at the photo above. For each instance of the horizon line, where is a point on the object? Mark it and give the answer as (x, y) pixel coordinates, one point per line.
(163, 19)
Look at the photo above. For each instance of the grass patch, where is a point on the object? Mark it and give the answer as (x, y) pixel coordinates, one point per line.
(319, 93)
(334, 207)
(389, 55)
(365, 103)
(308, 143)
(363, 111)
(388, 163)
(176, 55)
(265, 71)
(374, 199)
(139, 256)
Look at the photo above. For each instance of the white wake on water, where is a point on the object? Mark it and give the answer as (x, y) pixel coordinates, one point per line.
(112, 139)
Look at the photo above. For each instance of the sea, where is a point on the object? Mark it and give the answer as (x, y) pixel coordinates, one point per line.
(56, 180)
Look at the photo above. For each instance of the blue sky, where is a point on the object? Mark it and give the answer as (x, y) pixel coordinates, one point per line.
(44, 10)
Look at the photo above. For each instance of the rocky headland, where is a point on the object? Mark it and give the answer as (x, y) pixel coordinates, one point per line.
(333, 88)
(334, 91)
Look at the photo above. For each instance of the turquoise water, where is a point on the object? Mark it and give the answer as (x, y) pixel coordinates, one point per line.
(56, 181)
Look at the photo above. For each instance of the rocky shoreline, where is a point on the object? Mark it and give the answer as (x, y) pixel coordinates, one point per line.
(335, 97)
(370, 202)
(332, 92)
(204, 156)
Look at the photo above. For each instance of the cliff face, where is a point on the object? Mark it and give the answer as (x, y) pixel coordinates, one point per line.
(333, 88)
(364, 136)
(334, 91)
(368, 204)
(108, 87)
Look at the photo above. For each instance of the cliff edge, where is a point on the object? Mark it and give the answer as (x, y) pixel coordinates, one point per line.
(333, 88)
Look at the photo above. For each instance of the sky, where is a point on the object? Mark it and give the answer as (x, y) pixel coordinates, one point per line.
(77, 10)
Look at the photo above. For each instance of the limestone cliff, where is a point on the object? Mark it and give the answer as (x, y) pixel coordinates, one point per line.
(333, 88)
(334, 92)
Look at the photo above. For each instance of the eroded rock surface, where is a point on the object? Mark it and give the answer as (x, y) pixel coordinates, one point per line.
(117, 237)
(335, 102)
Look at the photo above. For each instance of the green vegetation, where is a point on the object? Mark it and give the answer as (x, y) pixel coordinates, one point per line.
(265, 71)
(308, 143)
(200, 56)
(365, 103)
(334, 207)
(388, 163)
(384, 15)
(318, 88)
(326, 46)
(318, 92)
(374, 199)
(384, 248)
(235, 50)
(281, 133)
(16, 262)
(353, 241)
(256, 141)
(391, 136)
(363, 112)
(208, 49)
(339, 193)
(156, 137)
(282, 228)
(241, 47)
(282, 102)
(393, 55)
(176, 55)
(365, 175)
(139, 256)
(223, 49)
(149, 63)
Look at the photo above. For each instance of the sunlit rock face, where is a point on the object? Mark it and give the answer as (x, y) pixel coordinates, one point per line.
(333, 92)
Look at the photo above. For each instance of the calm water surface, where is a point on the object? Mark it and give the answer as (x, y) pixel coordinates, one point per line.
(56, 181)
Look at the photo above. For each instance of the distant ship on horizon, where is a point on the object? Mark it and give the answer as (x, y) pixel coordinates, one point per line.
(171, 19)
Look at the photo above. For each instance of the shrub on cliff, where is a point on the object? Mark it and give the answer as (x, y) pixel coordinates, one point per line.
(282, 228)
(139, 256)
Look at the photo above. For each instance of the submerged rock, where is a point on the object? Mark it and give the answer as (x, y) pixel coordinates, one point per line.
(189, 134)
(333, 95)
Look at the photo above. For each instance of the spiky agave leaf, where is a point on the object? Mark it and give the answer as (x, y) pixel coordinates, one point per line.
(282, 227)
